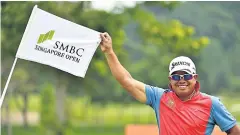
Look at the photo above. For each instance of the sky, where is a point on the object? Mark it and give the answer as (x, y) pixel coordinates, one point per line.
(109, 4)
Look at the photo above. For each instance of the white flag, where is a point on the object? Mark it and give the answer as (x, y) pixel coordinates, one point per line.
(59, 43)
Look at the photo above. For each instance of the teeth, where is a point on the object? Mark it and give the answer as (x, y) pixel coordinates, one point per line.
(182, 86)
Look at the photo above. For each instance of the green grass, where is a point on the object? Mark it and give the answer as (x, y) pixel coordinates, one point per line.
(81, 109)
(83, 130)
(111, 113)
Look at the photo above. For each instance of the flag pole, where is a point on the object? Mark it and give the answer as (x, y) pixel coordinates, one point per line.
(8, 80)
(15, 61)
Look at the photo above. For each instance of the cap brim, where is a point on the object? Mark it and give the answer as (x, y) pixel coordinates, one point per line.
(185, 70)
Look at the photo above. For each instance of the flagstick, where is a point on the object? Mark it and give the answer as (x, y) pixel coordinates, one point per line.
(15, 61)
(8, 80)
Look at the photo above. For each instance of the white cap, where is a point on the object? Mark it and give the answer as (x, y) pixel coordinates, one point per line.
(182, 63)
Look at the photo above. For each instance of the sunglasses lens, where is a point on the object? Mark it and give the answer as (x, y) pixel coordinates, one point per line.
(176, 77)
(188, 77)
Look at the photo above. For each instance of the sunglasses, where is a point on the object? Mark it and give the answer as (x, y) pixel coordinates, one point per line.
(186, 77)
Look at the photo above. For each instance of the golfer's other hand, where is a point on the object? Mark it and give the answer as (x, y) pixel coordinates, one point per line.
(106, 43)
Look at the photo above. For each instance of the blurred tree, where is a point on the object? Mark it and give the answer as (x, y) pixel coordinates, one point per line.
(220, 21)
(216, 20)
(24, 87)
(98, 69)
(234, 63)
(6, 121)
(48, 118)
(160, 41)
(170, 5)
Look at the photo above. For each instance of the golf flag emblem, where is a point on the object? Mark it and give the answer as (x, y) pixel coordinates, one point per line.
(44, 37)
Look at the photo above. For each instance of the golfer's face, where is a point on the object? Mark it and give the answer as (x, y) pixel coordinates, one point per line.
(182, 83)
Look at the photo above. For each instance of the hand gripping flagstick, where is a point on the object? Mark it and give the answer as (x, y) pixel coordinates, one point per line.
(15, 61)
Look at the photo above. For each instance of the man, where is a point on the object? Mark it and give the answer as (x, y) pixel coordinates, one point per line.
(181, 110)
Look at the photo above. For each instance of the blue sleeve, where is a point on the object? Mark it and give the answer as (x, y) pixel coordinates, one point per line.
(153, 95)
(221, 115)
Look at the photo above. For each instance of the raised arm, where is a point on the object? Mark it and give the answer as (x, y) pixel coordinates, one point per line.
(134, 87)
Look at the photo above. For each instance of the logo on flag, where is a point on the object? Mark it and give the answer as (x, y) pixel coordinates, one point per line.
(47, 36)
(70, 50)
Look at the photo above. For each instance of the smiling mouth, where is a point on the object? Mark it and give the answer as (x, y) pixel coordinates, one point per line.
(182, 86)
